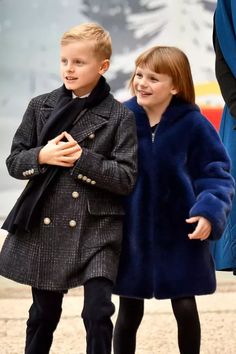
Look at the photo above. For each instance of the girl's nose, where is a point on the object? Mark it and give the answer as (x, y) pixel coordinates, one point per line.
(143, 83)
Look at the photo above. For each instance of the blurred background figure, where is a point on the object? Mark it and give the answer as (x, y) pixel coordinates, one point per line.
(224, 38)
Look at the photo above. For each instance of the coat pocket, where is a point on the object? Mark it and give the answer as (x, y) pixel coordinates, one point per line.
(105, 207)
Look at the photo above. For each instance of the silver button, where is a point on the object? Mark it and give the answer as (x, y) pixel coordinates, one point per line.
(88, 180)
(91, 136)
(80, 176)
(75, 194)
(85, 178)
(72, 223)
(93, 182)
(46, 221)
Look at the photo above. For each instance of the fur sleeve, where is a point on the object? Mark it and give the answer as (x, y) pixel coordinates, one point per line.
(209, 166)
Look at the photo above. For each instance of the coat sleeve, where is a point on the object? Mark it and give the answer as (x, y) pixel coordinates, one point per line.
(225, 78)
(22, 163)
(118, 173)
(209, 166)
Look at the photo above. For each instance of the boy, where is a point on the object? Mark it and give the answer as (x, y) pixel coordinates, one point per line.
(79, 155)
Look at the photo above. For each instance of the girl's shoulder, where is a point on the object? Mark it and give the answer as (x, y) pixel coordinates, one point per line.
(191, 115)
(133, 105)
(200, 122)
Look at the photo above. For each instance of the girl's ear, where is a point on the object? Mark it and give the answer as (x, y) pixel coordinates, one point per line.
(174, 91)
(104, 66)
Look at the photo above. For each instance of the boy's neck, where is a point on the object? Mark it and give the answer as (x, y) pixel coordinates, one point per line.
(74, 95)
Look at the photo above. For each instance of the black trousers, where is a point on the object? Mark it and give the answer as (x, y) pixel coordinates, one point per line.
(45, 314)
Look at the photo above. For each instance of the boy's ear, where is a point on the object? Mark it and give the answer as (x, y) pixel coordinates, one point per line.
(104, 66)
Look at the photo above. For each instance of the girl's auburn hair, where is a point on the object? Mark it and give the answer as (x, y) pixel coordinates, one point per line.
(170, 61)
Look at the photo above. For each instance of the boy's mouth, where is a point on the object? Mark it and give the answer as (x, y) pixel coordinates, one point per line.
(69, 78)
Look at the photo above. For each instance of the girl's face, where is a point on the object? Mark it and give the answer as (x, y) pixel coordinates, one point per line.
(152, 89)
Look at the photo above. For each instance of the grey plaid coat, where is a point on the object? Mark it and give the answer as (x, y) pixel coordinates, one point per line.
(79, 230)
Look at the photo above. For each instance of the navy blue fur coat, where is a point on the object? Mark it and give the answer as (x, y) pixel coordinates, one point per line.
(183, 173)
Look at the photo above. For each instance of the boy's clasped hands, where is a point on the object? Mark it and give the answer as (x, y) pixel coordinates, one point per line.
(60, 152)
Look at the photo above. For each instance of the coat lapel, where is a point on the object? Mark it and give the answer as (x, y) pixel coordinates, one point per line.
(87, 122)
(49, 104)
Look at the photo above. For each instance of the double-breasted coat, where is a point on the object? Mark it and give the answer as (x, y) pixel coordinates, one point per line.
(182, 172)
(79, 230)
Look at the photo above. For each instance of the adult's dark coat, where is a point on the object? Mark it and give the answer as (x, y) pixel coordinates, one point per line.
(224, 250)
(79, 230)
(183, 172)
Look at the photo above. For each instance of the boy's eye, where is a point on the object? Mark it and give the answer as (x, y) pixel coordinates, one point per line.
(78, 62)
(63, 61)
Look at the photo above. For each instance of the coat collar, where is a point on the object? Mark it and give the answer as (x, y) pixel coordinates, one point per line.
(88, 121)
(103, 109)
(176, 109)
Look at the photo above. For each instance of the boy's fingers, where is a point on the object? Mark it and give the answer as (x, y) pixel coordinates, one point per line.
(57, 138)
(69, 137)
(71, 150)
(62, 145)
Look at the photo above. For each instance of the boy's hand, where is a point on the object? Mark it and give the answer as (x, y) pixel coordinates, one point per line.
(202, 230)
(77, 153)
(60, 153)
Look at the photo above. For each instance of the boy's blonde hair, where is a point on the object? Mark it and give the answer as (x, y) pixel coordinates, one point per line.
(93, 32)
(172, 62)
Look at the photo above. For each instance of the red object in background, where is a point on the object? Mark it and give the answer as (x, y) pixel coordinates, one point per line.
(213, 115)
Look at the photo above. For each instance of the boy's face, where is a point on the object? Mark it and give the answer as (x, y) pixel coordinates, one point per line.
(80, 67)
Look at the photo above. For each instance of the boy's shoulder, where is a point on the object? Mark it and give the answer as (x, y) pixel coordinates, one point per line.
(49, 97)
(115, 102)
(111, 107)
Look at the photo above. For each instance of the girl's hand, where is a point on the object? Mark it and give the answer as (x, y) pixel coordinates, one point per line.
(60, 153)
(202, 230)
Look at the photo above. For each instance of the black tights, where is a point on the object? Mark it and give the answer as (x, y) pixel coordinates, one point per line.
(130, 316)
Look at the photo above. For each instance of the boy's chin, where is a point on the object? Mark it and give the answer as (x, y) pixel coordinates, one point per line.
(69, 86)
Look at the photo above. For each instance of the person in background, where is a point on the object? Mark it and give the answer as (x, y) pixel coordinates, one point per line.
(77, 147)
(180, 201)
(224, 39)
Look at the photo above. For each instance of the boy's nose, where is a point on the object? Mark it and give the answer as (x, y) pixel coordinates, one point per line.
(70, 68)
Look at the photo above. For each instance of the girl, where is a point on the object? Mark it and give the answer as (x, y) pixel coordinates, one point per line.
(181, 200)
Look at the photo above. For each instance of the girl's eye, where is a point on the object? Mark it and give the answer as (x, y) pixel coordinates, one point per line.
(63, 61)
(138, 75)
(154, 79)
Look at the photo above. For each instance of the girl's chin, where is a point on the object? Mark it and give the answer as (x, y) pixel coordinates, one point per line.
(141, 100)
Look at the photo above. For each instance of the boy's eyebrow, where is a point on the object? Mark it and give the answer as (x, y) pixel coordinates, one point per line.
(75, 58)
